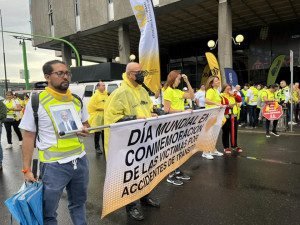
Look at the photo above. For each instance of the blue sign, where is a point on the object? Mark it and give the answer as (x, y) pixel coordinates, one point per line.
(231, 77)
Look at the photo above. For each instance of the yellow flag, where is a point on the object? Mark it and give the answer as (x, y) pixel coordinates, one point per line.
(148, 46)
(213, 64)
(205, 74)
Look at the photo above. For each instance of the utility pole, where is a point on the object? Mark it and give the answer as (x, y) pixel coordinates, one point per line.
(26, 72)
(3, 50)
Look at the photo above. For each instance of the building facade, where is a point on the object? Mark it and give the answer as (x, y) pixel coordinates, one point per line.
(108, 29)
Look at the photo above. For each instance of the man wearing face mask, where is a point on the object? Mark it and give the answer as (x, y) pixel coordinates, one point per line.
(130, 101)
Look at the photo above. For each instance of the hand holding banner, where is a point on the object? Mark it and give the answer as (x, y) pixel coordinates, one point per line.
(142, 152)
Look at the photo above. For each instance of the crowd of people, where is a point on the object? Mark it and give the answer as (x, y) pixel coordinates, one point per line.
(61, 156)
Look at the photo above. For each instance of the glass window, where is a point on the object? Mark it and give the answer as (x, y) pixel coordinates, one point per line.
(111, 88)
(88, 91)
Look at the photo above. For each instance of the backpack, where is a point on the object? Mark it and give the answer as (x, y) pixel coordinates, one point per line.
(35, 107)
(3, 111)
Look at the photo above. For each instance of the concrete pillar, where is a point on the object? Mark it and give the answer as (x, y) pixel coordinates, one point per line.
(224, 37)
(124, 44)
(66, 54)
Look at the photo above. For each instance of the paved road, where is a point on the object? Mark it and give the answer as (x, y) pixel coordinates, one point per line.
(262, 186)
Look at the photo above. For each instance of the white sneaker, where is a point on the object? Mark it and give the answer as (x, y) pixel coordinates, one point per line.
(292, 123)
(217, 153)
(20, 143)
(207, 155)
(9, 146)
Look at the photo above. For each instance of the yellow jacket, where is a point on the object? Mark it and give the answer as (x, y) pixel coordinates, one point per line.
(96, 108)
(127, 100)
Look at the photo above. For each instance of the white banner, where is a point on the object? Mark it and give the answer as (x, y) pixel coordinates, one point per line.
(148, 46)
(143, 152)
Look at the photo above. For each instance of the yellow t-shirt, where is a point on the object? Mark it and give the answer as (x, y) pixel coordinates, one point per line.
(175, 96)
(270, 96)
(214, 96)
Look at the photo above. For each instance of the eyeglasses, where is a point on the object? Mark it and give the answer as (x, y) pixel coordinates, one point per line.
(62, 73)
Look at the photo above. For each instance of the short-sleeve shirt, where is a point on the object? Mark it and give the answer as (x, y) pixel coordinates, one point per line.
(200, 96)
(214, 96)
(266, 93)
(175, 96)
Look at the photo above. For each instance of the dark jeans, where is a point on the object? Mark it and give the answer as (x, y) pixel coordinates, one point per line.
(56, 177)
(15, 125)
(243, 114)
(97, 139)
(275, 122)
(227, 133)
(1, 151)
(252, 115)
(134, 204)
(297, 108)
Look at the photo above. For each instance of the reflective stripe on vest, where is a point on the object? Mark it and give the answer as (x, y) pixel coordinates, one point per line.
(65, 147)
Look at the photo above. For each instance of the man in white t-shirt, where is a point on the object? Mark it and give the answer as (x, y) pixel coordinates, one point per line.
(63, 160)
(200, 97)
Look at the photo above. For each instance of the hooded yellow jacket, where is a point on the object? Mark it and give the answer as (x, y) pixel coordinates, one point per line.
(96, 108)
(127, 100)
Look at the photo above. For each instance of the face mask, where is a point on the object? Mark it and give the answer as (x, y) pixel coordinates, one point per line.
(139, 78)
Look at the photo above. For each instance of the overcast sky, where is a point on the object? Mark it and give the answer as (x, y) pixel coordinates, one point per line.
(15, 16)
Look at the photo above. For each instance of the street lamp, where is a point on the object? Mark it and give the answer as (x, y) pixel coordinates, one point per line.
(117, 59)
(26, 72)
(237, 41)
(132, 57)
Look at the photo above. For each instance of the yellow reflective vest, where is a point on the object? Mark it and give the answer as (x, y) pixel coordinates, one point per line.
(66, 146)
(96, 108)
(127, 100)
(255, 94)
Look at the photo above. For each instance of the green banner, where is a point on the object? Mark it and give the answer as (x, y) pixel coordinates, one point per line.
(274, 69)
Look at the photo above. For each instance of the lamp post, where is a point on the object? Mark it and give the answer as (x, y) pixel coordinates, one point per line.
(50, 38)
(3, 49)
(26, 72)
(132, 58)
(237, 41)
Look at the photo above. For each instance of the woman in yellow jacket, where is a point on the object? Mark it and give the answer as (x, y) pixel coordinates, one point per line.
(230, 127)
(174, 103)
(96, 111)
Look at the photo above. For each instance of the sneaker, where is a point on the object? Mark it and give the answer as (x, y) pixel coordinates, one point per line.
(9, 146)
(292, 123)
(275, 133)
(239, 150)
(98, 151)
(250, 128)
(20, 143)
(217, 153)
(135, 214)
(175, 181)
(227, 151)
(207, 155)
(268, 135)
(182, 176)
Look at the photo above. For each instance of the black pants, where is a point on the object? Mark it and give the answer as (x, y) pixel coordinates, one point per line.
(15, 125)
(97, 139)
(275, 122)
(252, 115)
(134, 204)
(297, 108)
(243, 115)
(227, 133)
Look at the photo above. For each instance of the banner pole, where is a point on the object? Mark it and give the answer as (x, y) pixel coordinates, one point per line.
(63, 133)
(291, 88)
